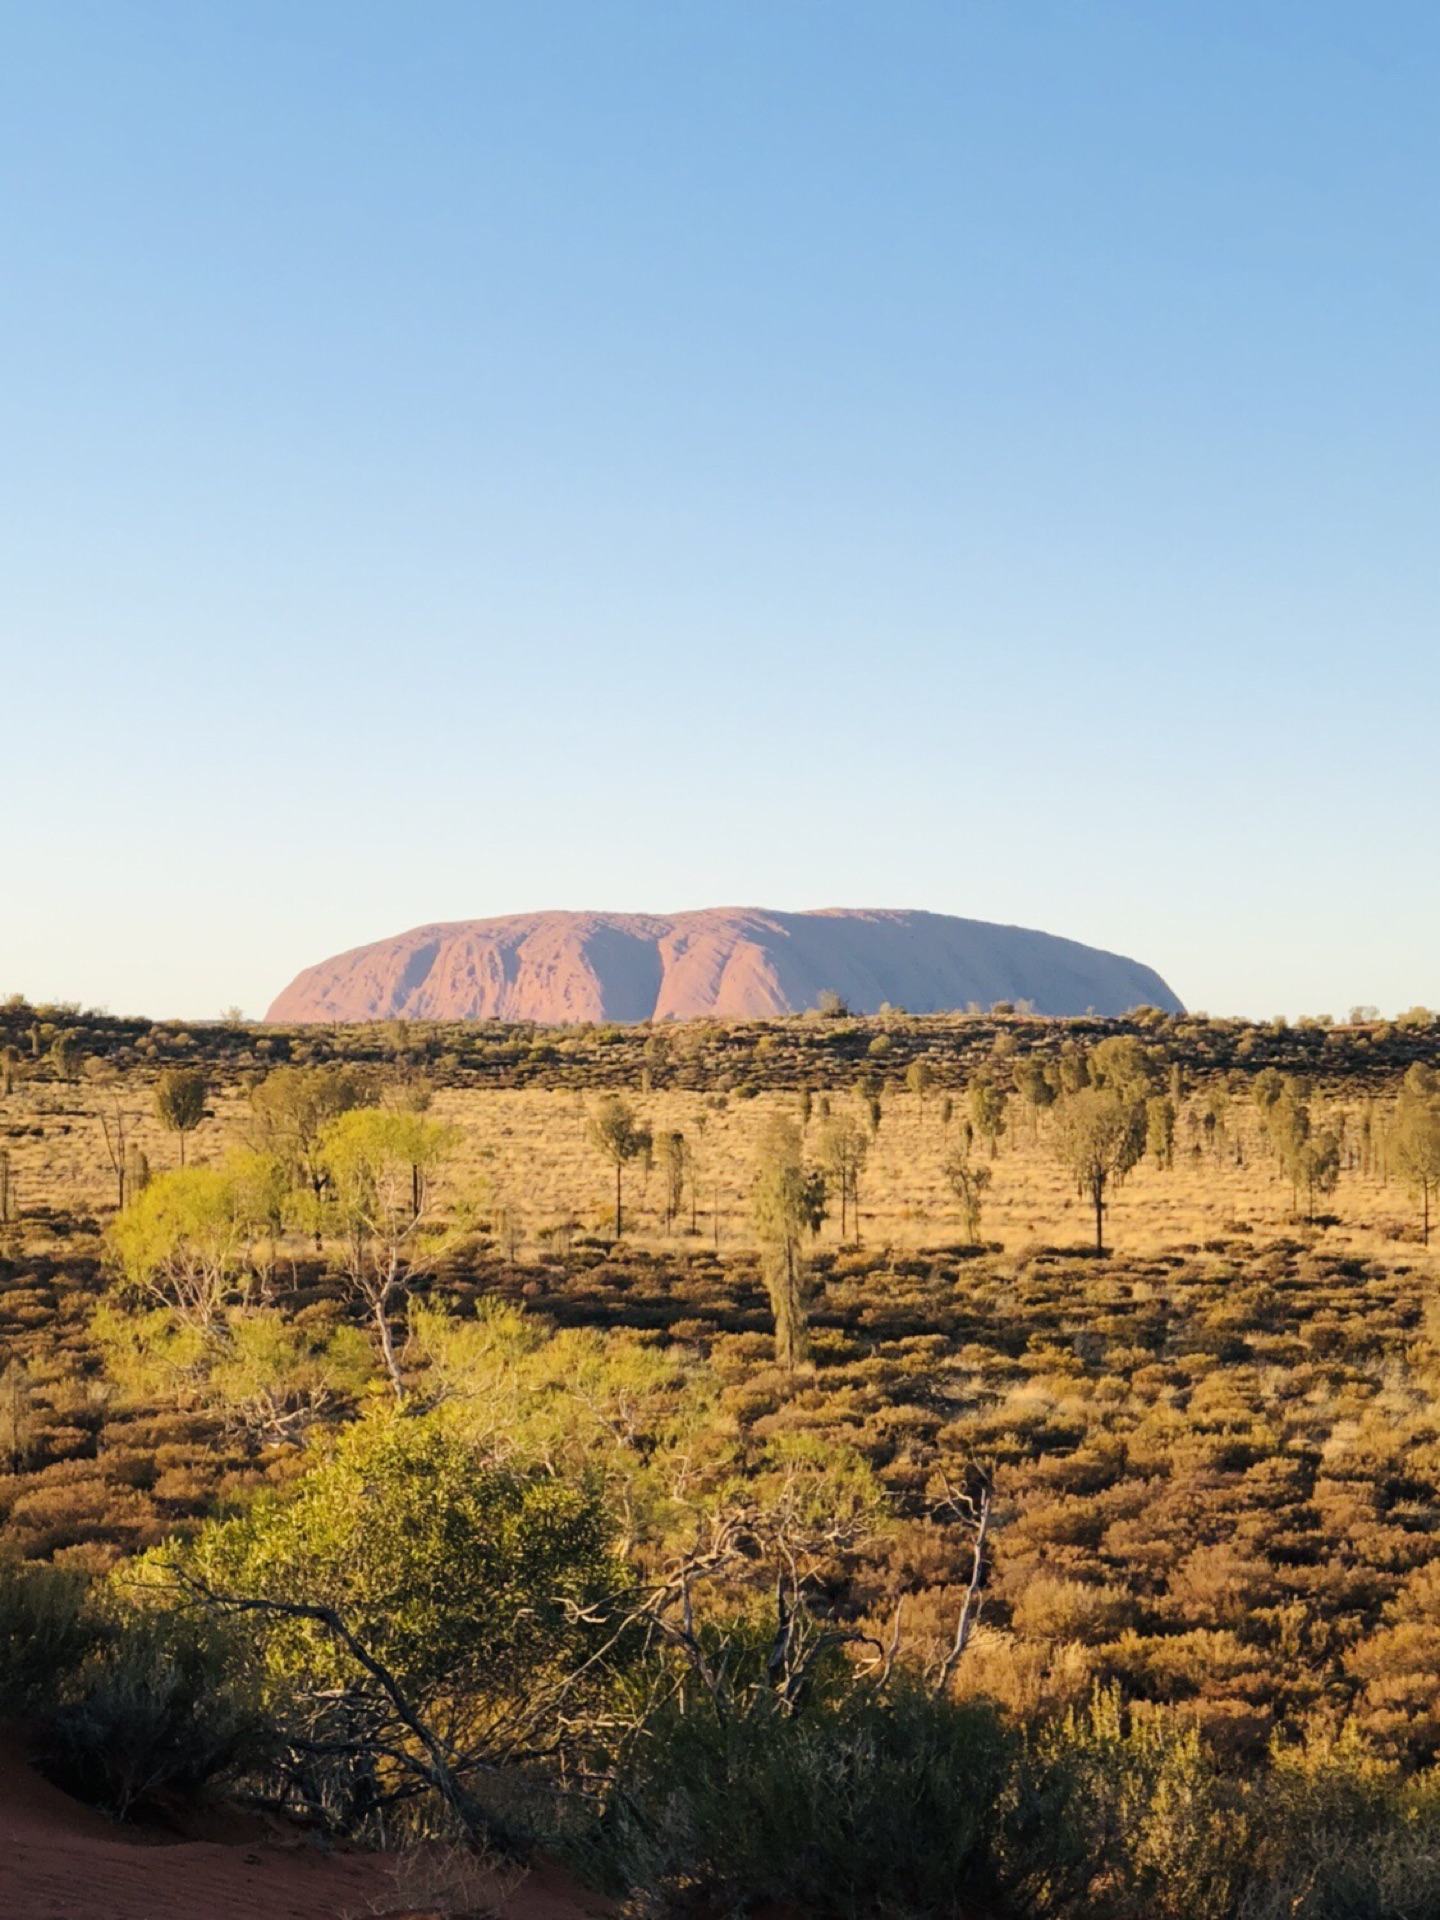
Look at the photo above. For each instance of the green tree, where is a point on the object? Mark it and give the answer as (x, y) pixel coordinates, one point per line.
(868, 1089)
(617, 1134)
(919, 1078)
(180, 1102)
(290, 1110)
(1034, 1086)
(675, 1164)
(65, 1056)
(1317, 1168)
(968, 1184)
(1098, 1136)
(789, 1204)
(1416, 1139)
(843, 1148)
(181, 1243)
(1215, 1116)
(1308, 1157)
(369, 1158)
(988, 1101)
(1160, 1130)
(1266, 1088)
(1123, 1063)
(1072, 1069)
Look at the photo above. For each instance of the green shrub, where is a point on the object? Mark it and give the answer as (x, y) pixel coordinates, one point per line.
(409, 1581)
(158, 1708)
(46, 1630)
(851, 1809)
(121, 1703)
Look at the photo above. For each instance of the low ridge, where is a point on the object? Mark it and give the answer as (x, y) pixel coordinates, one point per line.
(736, 962)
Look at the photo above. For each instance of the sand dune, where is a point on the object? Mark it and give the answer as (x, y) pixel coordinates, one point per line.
(735, 962)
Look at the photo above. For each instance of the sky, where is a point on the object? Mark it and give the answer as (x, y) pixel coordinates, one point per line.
(462, 457)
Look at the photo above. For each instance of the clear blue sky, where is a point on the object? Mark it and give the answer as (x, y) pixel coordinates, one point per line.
(461, 458)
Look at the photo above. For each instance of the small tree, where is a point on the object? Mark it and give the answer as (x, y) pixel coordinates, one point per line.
(181, 1243)
(868, 1088)
(1416, 1141)
(370, 1158)
(789, 1203)
(1072, 1069)
(1214, 1118)
(1133, 1070)
(1160, 1130)
(1310, 1160)
(180, 1102)
(615, 1132)
(1266, 1088)
(987, 1110)
(114, 1122)
(1033, 1084)
(675, 1161)
(290, 1110)
(1098, 1136)
(844, 1144)
(65, 1056)
(968, 1183)
(1317, 1166)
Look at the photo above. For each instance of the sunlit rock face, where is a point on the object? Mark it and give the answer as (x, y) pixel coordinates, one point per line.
(734, 962)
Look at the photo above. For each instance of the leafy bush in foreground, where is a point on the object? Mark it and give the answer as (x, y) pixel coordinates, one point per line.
(417, 1613)
(850, 1809)
(121, 1704)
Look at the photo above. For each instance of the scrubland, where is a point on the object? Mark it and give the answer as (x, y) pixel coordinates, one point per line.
(1047, 1581)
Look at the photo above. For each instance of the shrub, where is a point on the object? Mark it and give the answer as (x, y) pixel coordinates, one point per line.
(418, 1611)
(121, 1703)
(156, 1708)
(46, 1630)
(851, 1809)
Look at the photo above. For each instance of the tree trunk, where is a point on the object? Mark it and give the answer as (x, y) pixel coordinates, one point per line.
(1099, 1191)
(617, 1199)
(387, 1349)
(969, 1610)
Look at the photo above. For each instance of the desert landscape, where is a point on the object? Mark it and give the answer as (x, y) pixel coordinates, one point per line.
(802, 1335)
(719, 961)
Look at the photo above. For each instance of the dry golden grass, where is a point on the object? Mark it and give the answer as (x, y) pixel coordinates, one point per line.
(527, 1150)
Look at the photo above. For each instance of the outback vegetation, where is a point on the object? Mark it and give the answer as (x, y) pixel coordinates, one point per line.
(921, 1467)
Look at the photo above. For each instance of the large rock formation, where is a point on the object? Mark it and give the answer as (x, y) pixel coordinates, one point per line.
(738, 962)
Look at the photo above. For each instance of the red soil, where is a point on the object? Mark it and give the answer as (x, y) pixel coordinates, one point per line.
(62, 1861)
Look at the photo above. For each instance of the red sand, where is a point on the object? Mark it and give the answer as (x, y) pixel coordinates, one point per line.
(62, 1861)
